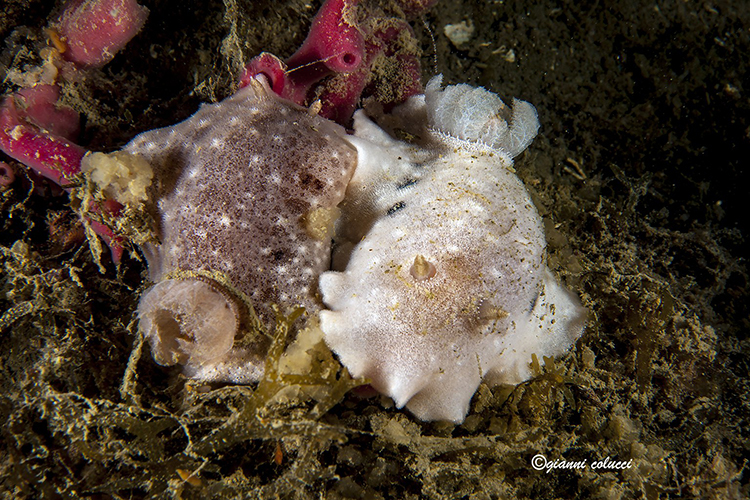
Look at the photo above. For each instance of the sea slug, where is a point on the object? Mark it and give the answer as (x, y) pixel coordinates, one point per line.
(244, 196)
(442, 279)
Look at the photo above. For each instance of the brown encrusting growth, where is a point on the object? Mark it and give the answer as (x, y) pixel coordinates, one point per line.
(637, 170)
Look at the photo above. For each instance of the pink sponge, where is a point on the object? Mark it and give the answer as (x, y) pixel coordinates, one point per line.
(94, 30)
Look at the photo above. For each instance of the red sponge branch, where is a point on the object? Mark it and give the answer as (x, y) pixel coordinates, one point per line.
(95, 30)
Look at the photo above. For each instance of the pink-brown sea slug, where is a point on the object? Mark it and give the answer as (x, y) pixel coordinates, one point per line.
(244, 197)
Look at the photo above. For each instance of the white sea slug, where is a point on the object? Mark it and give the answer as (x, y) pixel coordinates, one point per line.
(445, 281)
